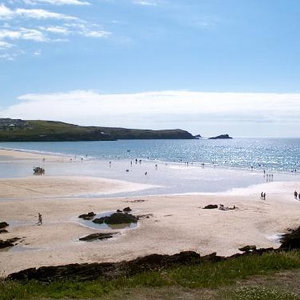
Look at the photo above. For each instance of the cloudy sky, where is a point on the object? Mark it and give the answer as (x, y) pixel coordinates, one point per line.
(208, 66)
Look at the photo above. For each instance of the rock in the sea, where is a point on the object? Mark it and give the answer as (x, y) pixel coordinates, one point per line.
(97, 236)
(210, 206)
(8, 243)
(88, 216)
(127, 209)
(221, 137)
(3, 225)
(117, 218)
(291, 240)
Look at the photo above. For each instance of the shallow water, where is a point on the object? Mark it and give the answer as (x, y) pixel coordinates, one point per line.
(270, 154)
(171, 176)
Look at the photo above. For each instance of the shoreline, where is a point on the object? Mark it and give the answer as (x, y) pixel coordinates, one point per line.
(53, 155)
(178, 222)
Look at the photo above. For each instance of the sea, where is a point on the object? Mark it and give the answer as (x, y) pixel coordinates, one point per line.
(170, 166)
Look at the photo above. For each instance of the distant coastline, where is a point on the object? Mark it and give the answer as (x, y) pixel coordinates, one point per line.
(17, 130)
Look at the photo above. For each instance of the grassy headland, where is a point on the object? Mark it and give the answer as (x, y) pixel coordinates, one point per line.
(13, 130)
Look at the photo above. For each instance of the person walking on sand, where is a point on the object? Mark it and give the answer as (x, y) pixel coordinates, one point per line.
(40, 219)
(296, 195)
(264, 196)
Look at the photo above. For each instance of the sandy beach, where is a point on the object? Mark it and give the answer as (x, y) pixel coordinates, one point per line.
(177, 222)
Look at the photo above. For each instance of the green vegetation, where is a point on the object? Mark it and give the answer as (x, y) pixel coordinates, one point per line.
(19, 130)
(221, 280)
(260, 293)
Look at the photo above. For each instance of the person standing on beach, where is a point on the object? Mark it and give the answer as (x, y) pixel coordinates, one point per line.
(264, 196)
(40, 219)
(296, 195)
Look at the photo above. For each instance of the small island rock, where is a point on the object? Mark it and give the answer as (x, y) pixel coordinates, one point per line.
(221, 137)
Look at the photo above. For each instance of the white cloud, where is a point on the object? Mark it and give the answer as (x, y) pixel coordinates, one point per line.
(41, 25)
(166, 109)
(95, 33)
(57, 2)
(56, 29)
(145, 2)
(23, 34)
(7, 13)
(5, 45)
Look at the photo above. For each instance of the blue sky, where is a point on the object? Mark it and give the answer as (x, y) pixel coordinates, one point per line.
(192, 52)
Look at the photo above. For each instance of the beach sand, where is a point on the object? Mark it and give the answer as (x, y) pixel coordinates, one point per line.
(178, 223)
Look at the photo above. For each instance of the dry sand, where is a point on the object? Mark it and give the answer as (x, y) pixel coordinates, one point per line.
(48, 186)
(179, 223)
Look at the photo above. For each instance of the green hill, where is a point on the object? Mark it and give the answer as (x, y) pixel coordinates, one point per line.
(13, 130)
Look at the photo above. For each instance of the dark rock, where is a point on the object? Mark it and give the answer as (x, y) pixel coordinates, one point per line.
(3, 225)
(119, 211)
(146, 216)
(221, 137)
(117, 218)
(107, 270)
(127, 209)
(198, 136)
(8, 243)
(97, 236)
(213, 257)
(136, 201)
(3, 231)
(72, 271)
(210, 206)
(248, 248)
(159, 261)
(88, 216)
(291, 240)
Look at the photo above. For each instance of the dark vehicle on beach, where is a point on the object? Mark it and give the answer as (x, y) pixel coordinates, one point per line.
(38, 171)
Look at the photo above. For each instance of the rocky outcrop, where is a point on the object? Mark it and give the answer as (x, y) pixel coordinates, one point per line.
(8, 243)
(107, 270)
(146, 216)
(291, 240)
(221, 137)
(210, 206)
(98, 236)
(117, 218)
(3, 225)
(93, 271)
(89, 216)
(127, 209)
(3, 231)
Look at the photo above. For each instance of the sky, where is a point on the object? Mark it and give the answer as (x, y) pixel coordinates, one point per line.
(207, 66)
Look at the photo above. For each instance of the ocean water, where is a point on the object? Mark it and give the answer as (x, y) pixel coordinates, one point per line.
(243, 153)
(227, 163)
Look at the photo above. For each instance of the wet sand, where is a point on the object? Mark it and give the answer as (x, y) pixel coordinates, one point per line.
(178, 223)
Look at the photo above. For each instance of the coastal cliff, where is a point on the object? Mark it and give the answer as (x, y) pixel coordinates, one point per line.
(16, 130)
